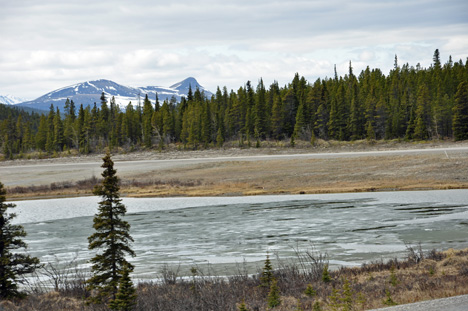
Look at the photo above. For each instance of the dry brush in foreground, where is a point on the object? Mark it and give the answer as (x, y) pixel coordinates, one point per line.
(302, 285)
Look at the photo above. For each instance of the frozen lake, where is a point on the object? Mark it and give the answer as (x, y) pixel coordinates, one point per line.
(351, 228)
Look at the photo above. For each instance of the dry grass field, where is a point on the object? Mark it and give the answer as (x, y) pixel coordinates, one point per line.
(235, 171)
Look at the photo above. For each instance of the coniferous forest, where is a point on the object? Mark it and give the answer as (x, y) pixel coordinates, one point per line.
(410, 103)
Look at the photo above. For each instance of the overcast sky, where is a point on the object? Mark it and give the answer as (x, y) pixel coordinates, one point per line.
(49, 44)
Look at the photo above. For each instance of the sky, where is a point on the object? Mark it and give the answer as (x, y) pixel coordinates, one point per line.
(49, 44)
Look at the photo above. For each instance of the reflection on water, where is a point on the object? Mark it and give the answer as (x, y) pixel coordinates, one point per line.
(350, 228)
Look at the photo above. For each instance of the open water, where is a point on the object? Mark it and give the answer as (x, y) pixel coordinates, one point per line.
(223, 232)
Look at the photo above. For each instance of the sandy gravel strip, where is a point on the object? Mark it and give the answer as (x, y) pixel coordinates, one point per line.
(457, 303)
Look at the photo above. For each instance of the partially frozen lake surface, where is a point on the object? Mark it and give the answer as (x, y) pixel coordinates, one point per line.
(351, 228)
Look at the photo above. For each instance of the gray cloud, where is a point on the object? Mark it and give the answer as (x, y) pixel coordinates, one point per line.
(51, 43)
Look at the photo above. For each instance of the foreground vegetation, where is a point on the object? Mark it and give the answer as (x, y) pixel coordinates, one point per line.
(411, 103)
(302, 284)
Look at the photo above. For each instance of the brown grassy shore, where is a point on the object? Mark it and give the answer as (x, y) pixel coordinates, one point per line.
(229, 172)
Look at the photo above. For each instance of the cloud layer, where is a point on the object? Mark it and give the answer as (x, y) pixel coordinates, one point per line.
(50, 44)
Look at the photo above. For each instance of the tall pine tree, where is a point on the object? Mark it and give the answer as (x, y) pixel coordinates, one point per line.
(112, 237)
(460, 113)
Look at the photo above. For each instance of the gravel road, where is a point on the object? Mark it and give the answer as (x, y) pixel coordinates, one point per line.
(25, 173)
(457, 303)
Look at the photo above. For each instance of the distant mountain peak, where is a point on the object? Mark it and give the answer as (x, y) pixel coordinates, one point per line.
(183, 86)
(89, 92)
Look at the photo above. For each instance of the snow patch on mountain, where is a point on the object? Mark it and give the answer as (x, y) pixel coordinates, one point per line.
(10, 99)
(89, 92)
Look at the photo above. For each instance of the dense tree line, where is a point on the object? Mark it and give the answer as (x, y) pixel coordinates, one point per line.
(412, 103)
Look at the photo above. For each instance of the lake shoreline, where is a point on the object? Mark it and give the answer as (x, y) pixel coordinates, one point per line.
(176, 193)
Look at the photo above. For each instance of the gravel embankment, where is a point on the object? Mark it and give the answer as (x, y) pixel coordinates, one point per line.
(457, 303)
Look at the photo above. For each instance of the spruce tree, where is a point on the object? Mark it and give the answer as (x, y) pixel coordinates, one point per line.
(12, 263)
(423, 118)
(274, 298)
(242, 306)
(460, 113)
(147, 126)
(267, 273)
(112, 238)
(126, 296)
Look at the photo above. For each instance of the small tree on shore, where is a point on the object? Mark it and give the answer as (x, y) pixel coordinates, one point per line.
(267, 273)
(12, 265)
(274, 298)
(126, 296)
(112, 237)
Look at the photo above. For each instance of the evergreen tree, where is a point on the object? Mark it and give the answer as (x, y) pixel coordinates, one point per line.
(58, 131)
(423, 118)
(85, 133)
(242, 307)
(220, 132)
(460, 113)
(267, 273)
(167, 121)
(103, 118)
(260, 113)
(277, 117)
(41, 135)
(326, 275)
(126, 296)
(300, 125)
(274, 298)
(322, 117)
(206, 127)
(68, 130)
(436, 59)
(147, 127)
(50, 130)
(12, 263)
(112, 237)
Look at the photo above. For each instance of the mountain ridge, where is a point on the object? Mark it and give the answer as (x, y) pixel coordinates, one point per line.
(89, 92)
(10, 99)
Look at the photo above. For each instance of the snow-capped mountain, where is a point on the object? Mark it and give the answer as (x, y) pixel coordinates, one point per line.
(88, 93)
(10, 100)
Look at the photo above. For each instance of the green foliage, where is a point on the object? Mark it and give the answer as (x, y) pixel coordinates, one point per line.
(334, 299)
(460, 112)
(292, 141)
(126, 296)
(299, 306)
(326, 275)
(388, 301)
(346, 299)
(112, 237)
(310, 291)
(267, 273)
(316, 306)
(242, 306)
(147, 125)
(274, 298)
(12, 264)
(408, 103)
(193, 287)
(393, 278)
